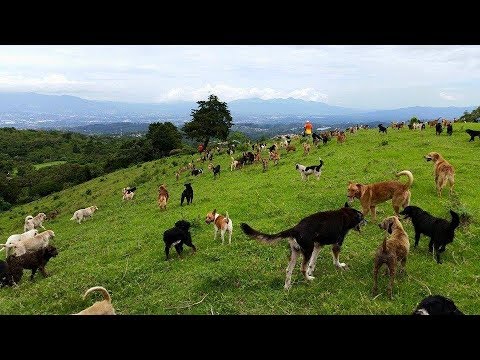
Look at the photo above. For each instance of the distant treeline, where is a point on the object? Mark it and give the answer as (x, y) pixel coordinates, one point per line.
(86, 157)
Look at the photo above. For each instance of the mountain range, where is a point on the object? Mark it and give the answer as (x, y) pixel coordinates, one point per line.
(17, 108)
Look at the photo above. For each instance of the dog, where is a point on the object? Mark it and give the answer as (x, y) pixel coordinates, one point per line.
(222, 223)
(472, 134)
(177, 236)
(306, 148)
(162, 197)
(438, 129)
(440, 231)
(36, 260)
(82, 214)
(382, 128)
(275, 157)
(310, 235)
(444, 172)
(449, 129)
(34, 222)
(103, 307)
(196, 172)
(12, 239)
(392, 251)
(437, 305)
(235, 164)
(215, 170)
(341, 137)
(29, 244)
(290, 148)
(370, 195)
(52, 214)
(6, 278)
(265, 164)
(305, 171)
(187, 193)
(128, 193)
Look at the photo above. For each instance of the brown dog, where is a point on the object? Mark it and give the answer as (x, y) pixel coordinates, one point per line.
(341, 137)
(162, 197)
(103, 307)
(306, 148)
(393, 250)
(444, 172)
(371, 195)
(290, 148)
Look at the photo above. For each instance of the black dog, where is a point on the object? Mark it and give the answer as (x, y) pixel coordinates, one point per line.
(437, 305)
(440, 231)
(310, 234)
(472, 134)
(5, 276)
(177, 236)
(216, 171)
(438, 129)
(449, 129)
(382, 128)
(187, 194)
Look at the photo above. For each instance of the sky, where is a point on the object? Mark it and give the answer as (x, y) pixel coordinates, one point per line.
(359, 76)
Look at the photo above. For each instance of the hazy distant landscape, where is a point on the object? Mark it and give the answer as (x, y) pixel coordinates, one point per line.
(255, 117)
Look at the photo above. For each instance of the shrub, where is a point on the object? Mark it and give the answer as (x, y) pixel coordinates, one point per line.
(88, 192)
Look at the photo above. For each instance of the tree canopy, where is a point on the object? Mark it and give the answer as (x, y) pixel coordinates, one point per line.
(212, 119)
(473, 116)
(164, 137)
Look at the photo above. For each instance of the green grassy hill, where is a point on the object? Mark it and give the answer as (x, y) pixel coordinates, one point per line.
(121, 247)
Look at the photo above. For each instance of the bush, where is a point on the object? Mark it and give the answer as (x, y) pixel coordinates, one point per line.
(4, 205)
(88, 192)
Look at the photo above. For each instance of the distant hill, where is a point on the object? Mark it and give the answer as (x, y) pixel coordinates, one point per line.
(31, 110)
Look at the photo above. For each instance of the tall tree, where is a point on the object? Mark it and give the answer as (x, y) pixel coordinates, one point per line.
(164, 137)
(211, 119)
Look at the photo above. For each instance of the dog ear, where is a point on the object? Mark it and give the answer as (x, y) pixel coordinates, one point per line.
(390, 228)
(214, 211)
(346, 204)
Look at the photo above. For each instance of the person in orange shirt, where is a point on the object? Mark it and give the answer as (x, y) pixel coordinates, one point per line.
(307, 129)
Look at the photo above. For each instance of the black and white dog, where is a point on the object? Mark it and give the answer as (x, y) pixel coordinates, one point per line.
(437, 305)
(382, 128)
(187, 194)
(177, 236)
(309, 170)
(196, 172)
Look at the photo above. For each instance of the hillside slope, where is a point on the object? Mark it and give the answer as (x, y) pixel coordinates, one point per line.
(121, 247)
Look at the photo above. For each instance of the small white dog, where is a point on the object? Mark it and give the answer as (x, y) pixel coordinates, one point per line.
(305, 171)
(81, 214)
(34, 222)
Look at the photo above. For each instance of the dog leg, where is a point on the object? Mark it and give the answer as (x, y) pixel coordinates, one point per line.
(229, 237)
(34, 270)
(392, 277)
(313, 262)
(167, 250)
(430, 245)
(42, 271)
(222, 234)
(335, 253)
(373, 211)
(215, 233)
(404, 266)
(375, 278)
(417, 238)
(291, 265)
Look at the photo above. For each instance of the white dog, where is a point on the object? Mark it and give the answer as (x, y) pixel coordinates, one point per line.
(31, 244)
(12, 239)
(309, 170)
(81, 214)
(34, 222)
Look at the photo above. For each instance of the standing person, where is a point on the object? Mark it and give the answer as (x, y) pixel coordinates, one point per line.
(307, 129)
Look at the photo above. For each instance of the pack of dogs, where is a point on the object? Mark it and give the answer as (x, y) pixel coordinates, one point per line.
(32, 250)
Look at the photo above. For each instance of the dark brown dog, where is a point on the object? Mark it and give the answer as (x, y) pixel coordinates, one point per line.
(370, 195)
(34, 261)
(393, 250)
(311, 234)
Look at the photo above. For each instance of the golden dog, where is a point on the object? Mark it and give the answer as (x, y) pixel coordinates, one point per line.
(393, 250)
(162, 197)
(371, 195)
(444, 172)
(103, 307)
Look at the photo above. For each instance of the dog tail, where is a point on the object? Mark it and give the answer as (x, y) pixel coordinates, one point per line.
(409, 175)
(455, 220)
(226, 217)
(321, 162)
(73, 217)
(267, 238)
(106, 295)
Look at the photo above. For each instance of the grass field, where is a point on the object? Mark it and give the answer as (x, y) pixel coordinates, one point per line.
(121, 247)
(51, 163)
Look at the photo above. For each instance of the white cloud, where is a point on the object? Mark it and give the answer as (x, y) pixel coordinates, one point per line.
(448, 97)
(16, 82)
(229, 93)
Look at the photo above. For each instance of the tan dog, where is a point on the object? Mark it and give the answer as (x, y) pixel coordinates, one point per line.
(444, 172)
(34, 222)
(162, 197)
(265, 164)
(103, 307)
(222, 223)
(275, 157)
(393, 250)
(371, 195)
(290, 148)
(306, 148)
(341, 137)
(82, 214)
